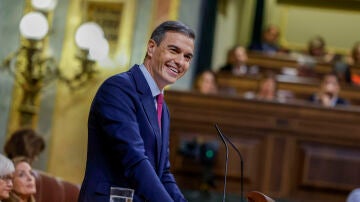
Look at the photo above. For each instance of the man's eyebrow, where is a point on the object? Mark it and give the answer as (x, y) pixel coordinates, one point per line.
(177, 48)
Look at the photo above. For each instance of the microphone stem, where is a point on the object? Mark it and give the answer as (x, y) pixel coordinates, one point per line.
(242, 180)
(241, 166)
(226, 159)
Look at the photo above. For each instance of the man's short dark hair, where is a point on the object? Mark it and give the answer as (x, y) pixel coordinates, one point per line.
(171, 26)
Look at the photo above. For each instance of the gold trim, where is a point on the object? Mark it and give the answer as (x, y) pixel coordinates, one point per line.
(71, 108)
(14, 115)
(174, 9)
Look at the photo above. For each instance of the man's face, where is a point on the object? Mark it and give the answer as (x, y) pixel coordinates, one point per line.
(331, 85)
(271, 35)
(240, 56)
(169, 60)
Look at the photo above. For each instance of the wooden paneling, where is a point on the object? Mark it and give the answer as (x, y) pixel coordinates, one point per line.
(302, 88)
(277, 62)
(330, 166)
(293, 151)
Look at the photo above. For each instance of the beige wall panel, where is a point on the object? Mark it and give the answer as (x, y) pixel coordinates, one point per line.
(337, 27)
(299, 24)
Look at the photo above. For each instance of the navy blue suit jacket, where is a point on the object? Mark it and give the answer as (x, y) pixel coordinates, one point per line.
(125, 146)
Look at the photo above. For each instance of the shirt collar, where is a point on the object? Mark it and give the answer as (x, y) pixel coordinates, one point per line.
(150, 81)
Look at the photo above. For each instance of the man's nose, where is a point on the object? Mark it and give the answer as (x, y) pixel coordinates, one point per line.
(180, 59)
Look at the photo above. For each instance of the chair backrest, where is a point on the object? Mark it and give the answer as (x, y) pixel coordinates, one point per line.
(49, 188)
(255, 196)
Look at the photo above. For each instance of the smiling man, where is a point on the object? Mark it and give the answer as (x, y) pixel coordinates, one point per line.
(128, 127)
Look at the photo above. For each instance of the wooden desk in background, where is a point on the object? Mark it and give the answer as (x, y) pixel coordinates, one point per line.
(301, 87)
(292, 151)
(277, 62)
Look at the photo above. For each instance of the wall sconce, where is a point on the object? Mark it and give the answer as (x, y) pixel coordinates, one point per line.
(92, 47)
(33, 70)
(44, 5)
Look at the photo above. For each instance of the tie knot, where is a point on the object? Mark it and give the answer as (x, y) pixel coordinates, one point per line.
(160, 99)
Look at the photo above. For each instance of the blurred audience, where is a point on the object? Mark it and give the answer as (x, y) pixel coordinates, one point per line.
(236, 62)
(269, 42)
(342, 70)
(24, 142)
(328, 94)
(317, 49)
(6, 174)
(23, 182)
(354, 63)
(354, 60)
(205, 83)
(267, 88)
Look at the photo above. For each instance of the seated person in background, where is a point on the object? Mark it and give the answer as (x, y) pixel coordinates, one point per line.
(354, 63)
(328, 93)
(23, 181)
(269, 42)
(317, 50)
(354, 60)
(24, 142)
(342, 70)
(205, 83)
(6, 174)
(267, 88)
(236, 62)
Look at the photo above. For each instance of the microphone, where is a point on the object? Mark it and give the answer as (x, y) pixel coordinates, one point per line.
(226, 159)
(240, 156)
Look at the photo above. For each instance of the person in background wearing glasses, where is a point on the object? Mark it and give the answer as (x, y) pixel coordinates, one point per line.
(6, 172)
(23, 181)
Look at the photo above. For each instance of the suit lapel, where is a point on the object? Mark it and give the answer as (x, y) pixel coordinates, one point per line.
(148, 104)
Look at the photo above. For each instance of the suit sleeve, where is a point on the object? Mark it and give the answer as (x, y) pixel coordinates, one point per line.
(170, 184)
(116, 111)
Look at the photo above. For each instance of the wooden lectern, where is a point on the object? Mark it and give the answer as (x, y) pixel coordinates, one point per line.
(255, 196)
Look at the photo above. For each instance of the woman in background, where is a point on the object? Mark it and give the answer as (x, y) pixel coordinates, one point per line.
(328, 94)
(205, 83)
(23, 181)
(6, 173)
(267, 88)
(24, 142)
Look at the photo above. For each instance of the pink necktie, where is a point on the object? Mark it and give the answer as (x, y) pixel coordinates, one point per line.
(159, 102)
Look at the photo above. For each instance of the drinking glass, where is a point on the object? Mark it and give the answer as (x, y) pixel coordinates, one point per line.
(120, 194)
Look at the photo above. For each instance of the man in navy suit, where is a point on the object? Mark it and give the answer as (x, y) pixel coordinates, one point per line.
(328, 94)
(127, 146)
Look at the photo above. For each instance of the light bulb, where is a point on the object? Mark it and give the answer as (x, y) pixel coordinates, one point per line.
(87, 34)
(99, 49)
(34, 26)
(44, 5)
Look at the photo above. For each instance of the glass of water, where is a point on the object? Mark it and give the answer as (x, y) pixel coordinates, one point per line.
(120, 194)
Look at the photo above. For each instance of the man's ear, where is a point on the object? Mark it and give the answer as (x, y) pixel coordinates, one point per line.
(151, 47)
